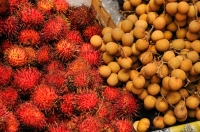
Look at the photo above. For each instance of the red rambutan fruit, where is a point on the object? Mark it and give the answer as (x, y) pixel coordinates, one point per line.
(97, 80)
(30, 115)
(44, 97)
(86, 47)
(104, 110)
(31, 54)
(87, 101)
(45, 5)
(78, 64)
(93, 57)
(111, 93)
(13, 5)
(92, 30)
(55, 29)
(74, 36)
(9, 96)
(6, 44)
(61, 5)
(66, 50)
(67, 105)
(1, 27)
(90, 124)
(81, 16)
(53, 66)
(58, 128)
(11, 26)
(43, 54)
(5, 74)
(16, 56)
(82, 79)
(31, 17)
(124, 125)
(127, 105)
(27, 78)
(4, 7)
(29, 37)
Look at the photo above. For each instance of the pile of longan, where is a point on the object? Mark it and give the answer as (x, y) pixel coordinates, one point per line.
(154, 53)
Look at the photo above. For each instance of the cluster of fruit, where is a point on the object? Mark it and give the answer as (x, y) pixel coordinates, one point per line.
(154, 53)
(49, 79)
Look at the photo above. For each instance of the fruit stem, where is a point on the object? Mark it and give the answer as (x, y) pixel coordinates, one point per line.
(166, 100)
(195, 9)
(147, 34)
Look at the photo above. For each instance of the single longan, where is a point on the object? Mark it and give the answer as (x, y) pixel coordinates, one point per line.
(96, 41)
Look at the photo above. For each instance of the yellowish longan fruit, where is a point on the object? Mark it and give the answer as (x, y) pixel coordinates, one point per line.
(139, 81)
(197, 67)
(164, 91)
(172, 27)
(127, 39)
(149, 102)
(192, 11)
(162, 45)
(126, 62)
(169, 119)
(194, 26)
(178, 44)
(193, 72)
(195, 45)
(140, 9)
(107, 58)
(114, 66)
(153, 89)
(104, 71)
(193, 56)
(146, 57)
(150, 69)
(181, 23)
(153, 6)
(142, 44)
(131, 88)
(178, 73)
(181, 33)
(133, 18)
(123, 75)
(172, 8)
(168, 35)
(96, 41)
(174, 63)
(168, 18)
(141, 23)
(143, 95)
(168, 55)
(184, 93)
(106, 30)
(183, 7)
(143, 17)
(126, 25)
(159, 2)
(159, 23)
(139, 32)
(158, 122)
(107, 37)
(157, 35)
(135, 2)
(143, 125)
(191, 36)
(151, 16)
(135, 51)
(127, 6)
(133, 74)
(192, 102)
(117, 34)
(175, 83)
(112, 80)
(161, 104)
(163, 71)
(186, 65)
(112, 48)
(192, 113)
(173, 97)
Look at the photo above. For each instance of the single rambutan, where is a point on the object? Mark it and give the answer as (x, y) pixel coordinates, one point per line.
(78, 64)
(45, 5)
(61, 5)
(6, 44)
(55, 29)
(1, 27)
(53, 66)
(127, 105)
(58, 128)
(29, 37)
(82, 79)
(87, 101)
(86, 47)
(5, 74)
(31, 17)
(111, 93)
(13, 5)
(97, 80)
(9, 96)
(81, 16)
(74, 36)
(4, 7)
(66, 50)
(93, 57)
(91, 31)
(30, 115)
(31, 54)
(43, 54)
(104, 110)
(27, 78)
(124, 125)
(11, 26)
(68, 103)
(16, 56)
(90, 124)
(44, 97)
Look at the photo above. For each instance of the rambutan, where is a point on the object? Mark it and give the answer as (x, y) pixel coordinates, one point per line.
(67, 105)
(90, 124)
(81, 16)
(9, 96)
(93, 57)
(86, 47)
(4, 7)
(5, 74)
(87, 100)
(31, 54)
(43, 54)
(27, 78)
(97, 80)
(74, 36)
(11, 26)
(61, 5)
(127, 105)
(31, 17)
(104, 110)
(91, 31)
(53, 66)
(16, 56)
(82, 79)
(58, 128)
(111, 93)
(29, 37)
(45, 5)
(1, 27)
(124, 125)
(55, 29)
(6, 44)
(30, 115)
(44, 97)
(66, 50)
(13, 5)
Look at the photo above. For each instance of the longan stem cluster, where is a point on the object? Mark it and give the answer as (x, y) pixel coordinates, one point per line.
(154, 53)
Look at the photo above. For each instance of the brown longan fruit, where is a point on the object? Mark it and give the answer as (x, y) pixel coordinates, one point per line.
(117, 34)
(175, 83)
(178, 44)
(180, 110)
(143, 17)
(153, 6)
(168, 18)
(184, 93)
(139, 32)
(195, 45)
(168, 35)
(172, 27)
(192, 113)
(149, 102)
(107, 58)
(197, 67)
(107, 37)
(139, 81)
(146, 57)
(163, 71)
(198, 114)
(126, 25)
(131, 88)
(125, 63)
(96, 41)
(162, 45)
(127, 6)
(133, 74)
(172, 8)
(159, 23)
(174, 63)
(159, 2)
(183, 7)
(192, 11)
(112, 80)
(127, 39)
(194, 26)
(135, 51)
(178, 73)
(150, 69)
(181, 33)
(143, 95)
(191, 36)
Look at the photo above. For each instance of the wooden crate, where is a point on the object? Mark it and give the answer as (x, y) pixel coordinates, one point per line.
(103, 16)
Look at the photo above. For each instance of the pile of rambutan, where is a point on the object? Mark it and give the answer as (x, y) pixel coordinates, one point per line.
(49, 79)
